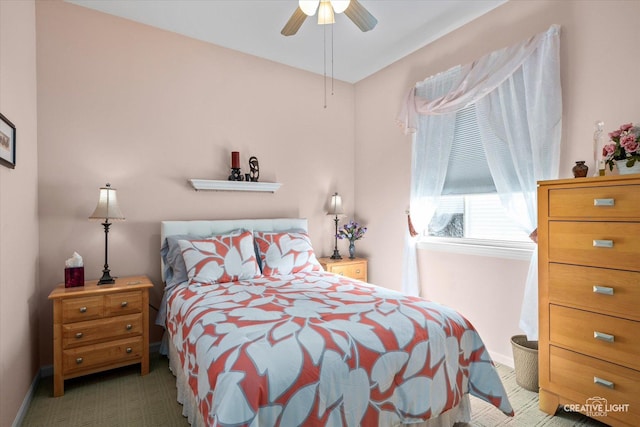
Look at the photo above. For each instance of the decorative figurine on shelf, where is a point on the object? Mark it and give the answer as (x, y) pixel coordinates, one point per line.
(254, 169)
(236, 174)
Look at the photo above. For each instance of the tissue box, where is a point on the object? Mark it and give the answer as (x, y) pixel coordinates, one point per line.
(73, 276)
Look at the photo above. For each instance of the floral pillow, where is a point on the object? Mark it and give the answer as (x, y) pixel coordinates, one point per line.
(286, 253)
(220, 259)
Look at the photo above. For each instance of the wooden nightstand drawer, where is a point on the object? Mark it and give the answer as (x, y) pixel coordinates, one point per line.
(104, 354)
(355, 271)
(123, 303)
(355, 268)
(605, 337)
(83, 333)
(82, 308)
(596, 202)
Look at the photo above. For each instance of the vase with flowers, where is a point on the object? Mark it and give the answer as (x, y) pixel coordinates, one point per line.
(624, 149)
(351, 231)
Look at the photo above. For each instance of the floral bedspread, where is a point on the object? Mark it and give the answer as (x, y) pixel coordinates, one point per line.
(323, 350)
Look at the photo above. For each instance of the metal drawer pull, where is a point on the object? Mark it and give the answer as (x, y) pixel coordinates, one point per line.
(357, 271)
(603, 337)
(79, 335)
(124, 304)
(604, 202)
(129, 349)
(129, 326)
(605, 383)
(603, 243)
(603, 290)
(79, 360)
(83, 309)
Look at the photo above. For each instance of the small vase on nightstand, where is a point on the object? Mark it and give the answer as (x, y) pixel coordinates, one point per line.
(352, 249)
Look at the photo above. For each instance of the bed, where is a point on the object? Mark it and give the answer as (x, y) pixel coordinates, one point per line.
(259, 335)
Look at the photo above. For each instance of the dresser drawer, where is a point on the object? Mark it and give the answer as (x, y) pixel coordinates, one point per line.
(612, 291)
(94, 356)
(598, 244)
(80, 309)
(605, 337)
(595, 202)
(355, 271)
(123, 303)
(82, 333)
(580, 378)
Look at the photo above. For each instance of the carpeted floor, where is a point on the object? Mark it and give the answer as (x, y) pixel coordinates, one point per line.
(122, 397)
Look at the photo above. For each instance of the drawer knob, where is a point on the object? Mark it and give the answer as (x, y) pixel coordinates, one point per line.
(603, 337)
(79, 360)
(79, 335)
(129, 350)
(129, 326)
(357, 271)
(602, 290)
(604, 202)
(603, 243)
(603, 382)
(83, 309)
(124, 304)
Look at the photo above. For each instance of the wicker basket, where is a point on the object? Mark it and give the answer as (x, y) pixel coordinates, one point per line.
(525, 360)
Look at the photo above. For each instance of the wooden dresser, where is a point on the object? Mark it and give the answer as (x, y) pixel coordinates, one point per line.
(355, 268)
(589, 297)
(99, 327)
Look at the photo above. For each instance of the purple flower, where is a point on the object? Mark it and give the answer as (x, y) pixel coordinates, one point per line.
(351, 231)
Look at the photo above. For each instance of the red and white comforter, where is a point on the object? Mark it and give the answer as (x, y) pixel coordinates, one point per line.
(323, 350)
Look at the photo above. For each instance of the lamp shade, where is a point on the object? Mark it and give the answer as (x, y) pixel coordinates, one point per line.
(325, 13)
(335, 205)
(107, 205)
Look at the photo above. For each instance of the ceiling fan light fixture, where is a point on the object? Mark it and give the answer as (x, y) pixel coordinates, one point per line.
(309, 7)
(340, 6)
(325, 13)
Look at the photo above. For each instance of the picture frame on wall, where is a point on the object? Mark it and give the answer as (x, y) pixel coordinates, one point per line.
(7, 142)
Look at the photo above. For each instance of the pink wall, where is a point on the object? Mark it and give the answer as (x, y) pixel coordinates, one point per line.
(19, 294)
(145, 110)
(598, 42)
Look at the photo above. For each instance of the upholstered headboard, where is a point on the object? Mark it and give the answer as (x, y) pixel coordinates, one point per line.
(212, 227)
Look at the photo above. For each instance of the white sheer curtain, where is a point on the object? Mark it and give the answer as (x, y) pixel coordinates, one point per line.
(518, 90)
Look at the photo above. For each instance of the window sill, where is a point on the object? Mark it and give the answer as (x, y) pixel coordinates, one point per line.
(489, 248)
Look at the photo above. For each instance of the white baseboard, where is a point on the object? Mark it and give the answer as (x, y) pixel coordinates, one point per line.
(26, 401)
(502, 359)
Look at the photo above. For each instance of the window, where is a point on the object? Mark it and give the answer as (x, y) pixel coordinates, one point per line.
(470, 214)
(474, 216)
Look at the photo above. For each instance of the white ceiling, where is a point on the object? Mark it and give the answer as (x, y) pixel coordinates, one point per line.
(253, 27)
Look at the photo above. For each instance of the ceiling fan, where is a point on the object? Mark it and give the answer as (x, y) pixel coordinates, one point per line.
(326, 9)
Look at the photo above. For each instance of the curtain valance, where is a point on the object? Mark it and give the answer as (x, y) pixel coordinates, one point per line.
(478, 79)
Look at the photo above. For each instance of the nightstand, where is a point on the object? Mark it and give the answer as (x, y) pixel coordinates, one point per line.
(355, 268)
(99, 327)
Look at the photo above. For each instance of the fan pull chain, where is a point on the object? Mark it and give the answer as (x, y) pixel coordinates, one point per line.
(332, 25)
(324, 62)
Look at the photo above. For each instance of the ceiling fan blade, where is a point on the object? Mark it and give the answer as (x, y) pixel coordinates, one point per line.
(294, 23)
(360, 16)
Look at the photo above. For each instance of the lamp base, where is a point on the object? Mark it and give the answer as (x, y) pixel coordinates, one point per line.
(106, 278)
(336, 255)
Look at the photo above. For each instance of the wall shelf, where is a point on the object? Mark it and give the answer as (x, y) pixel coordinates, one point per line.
(220, 185)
